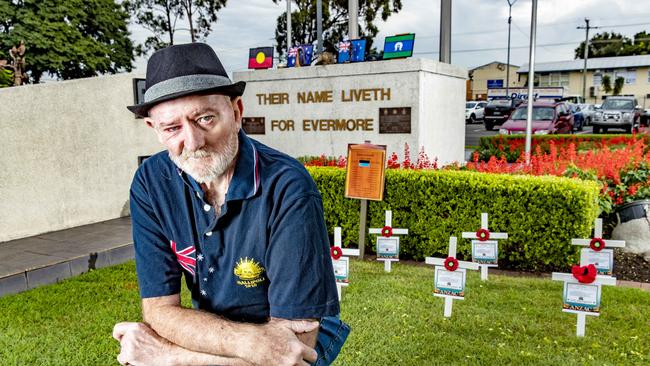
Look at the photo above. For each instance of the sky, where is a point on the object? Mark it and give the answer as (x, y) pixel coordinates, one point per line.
(479, 28)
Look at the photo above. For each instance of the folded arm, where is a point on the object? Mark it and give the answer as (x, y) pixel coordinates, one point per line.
(273, 343)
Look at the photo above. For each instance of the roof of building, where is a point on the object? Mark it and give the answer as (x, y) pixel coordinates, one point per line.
(490, 63)
(599, 63)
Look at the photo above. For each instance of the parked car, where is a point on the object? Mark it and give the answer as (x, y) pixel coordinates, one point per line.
(497, 111)
(548, 118)
(474, 111)
(617, 112)
(645, 117)
(578, 117)
(588, 111)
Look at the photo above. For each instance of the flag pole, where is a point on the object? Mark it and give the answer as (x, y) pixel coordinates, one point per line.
(288, 28)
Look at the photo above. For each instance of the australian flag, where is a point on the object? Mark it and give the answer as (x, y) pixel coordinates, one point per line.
(305, 55)
(291, 56)
(300, 55)
(358, 50)
(344, 52)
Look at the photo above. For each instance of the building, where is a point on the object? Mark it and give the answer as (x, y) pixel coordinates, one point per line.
(492, 75)
(634, 69)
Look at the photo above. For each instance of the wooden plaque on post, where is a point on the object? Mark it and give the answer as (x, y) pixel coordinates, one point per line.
(365, 172)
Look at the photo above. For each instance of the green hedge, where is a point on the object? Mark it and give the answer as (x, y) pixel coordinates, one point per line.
(540, 214)
(511, 146)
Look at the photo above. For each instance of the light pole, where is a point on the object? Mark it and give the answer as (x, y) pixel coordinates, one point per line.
(531, 79)
(445, 31)
(510, 4)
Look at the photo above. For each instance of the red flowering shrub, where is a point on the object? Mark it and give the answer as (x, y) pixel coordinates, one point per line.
(621, 164)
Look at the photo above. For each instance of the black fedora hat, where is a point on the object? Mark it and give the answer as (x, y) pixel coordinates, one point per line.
(182, 70)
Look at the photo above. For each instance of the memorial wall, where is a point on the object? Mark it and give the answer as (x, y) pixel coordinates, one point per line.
(320, 109)
(68, 154)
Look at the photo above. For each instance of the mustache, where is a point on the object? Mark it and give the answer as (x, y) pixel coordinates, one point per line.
(197, 154)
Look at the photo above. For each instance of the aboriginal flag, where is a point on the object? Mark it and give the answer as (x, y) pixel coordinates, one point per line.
(260, 58)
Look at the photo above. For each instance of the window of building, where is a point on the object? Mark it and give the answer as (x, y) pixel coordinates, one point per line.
(554, 79)
(628, 74)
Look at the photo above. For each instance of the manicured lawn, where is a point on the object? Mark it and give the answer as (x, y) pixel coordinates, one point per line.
(395, 321)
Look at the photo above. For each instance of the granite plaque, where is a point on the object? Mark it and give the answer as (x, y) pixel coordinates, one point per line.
(253, 125)
(395, 120)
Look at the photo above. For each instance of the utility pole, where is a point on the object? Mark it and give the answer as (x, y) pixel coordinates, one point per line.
(510, 4)
(353, 23)
(586, 57)
(288, 29)
(445, 31)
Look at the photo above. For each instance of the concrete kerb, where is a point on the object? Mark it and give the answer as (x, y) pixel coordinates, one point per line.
(52, 273)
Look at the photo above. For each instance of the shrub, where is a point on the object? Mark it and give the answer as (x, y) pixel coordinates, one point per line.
(512, 146)
(540, 214)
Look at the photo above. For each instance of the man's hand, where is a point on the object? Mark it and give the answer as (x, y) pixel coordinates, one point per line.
(304, 329)
(276, 343)
(140, 345)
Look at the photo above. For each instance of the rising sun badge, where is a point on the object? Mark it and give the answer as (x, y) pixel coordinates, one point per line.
(249, 272)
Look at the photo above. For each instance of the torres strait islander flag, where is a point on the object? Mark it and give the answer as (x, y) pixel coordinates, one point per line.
(399, 46)
(260, 58)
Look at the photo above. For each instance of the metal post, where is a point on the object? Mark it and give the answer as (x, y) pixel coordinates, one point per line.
(353, 24)
(531, 80)
(584, 70)
(445, 31)
(510, 4)
(288, 26)
(319, 26)
(362, 227)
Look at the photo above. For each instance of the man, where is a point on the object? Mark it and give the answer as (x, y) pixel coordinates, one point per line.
(242, 221)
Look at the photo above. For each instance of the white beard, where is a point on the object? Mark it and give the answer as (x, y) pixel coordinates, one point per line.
(206, 165)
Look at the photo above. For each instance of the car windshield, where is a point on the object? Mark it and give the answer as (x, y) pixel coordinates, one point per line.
(469, 105)
(500, 102)
(539, 113)
(618, 104)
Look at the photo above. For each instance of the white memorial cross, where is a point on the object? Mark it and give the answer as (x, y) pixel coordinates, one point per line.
(578, 292)
(495, 236)
(342, 264)
(440, 264)
(596, 254)
(391, 232)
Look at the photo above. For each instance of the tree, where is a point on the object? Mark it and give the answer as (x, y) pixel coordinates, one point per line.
(160, 17)
(335, 22)
(68, 38)
(618, 85)
(614, 44)
(607, 84)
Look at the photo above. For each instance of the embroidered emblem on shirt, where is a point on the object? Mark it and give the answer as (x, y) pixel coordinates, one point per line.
(185, 257)
(249, 272)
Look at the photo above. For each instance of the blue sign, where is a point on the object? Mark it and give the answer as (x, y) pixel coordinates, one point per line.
(498, 83)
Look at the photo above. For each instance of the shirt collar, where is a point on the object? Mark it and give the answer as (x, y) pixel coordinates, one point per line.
(245, 180)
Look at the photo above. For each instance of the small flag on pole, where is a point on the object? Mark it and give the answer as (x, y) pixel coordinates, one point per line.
(358, 50)
(344, 52)
(260, 58)
(291, 56)
(399, 46)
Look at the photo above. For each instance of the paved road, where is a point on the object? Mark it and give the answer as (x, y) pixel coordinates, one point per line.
(474, 132)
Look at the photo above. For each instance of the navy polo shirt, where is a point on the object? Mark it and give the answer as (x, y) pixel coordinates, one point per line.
(267, 254)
